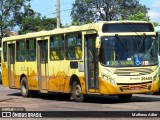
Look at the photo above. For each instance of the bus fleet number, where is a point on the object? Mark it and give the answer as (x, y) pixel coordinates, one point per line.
(146, 78)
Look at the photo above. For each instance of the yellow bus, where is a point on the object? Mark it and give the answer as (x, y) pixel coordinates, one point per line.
(104, 58)
(0, 67)
(157, 29)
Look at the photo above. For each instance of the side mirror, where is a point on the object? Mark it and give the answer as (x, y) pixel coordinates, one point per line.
(98, 42)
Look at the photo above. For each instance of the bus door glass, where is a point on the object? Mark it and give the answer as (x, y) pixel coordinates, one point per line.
(91, 63)
(11, 65)
(43, 64)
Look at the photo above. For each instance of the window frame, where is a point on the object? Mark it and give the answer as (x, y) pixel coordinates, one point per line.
(18, 49)
(28, 49)
(57, 49)
(67, 47)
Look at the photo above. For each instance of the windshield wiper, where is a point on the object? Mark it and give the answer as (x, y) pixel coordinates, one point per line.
(141, 41)
(118, 38)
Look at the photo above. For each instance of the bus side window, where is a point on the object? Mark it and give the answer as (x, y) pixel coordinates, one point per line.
(57, 47)
(78, 52)
(78, 49)
(20, 51)
(73, 46)
(32, 56)
(54, 55)
(31, 49)
(71, 53)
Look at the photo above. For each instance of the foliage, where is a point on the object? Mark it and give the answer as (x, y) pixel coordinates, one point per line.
(18, 13)
(11, 14)
(155, 24)
(36, 23)
(29, 24)
(86, 11)
(139, 16)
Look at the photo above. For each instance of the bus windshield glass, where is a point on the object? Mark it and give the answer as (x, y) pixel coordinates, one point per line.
(128, 51)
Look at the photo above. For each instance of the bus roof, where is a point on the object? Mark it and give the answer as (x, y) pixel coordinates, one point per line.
(92, 26)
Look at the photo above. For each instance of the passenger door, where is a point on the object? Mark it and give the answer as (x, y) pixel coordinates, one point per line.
(11, 65)
(43, 63)
(91, 63)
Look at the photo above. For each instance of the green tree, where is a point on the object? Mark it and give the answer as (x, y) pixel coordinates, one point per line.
(155, 24)
(85, 11)
(11, 14)
(139, 16)
(30, 24)
(36, 23)
(48, 23)
(132, 8)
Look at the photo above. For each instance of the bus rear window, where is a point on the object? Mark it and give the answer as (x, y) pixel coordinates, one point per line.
(128, 27)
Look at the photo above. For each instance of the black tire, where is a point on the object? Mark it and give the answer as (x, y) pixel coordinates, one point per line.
(125, 97)
(76, 93)
(24, 88)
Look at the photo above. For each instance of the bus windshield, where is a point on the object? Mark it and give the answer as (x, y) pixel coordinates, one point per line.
(128, 51)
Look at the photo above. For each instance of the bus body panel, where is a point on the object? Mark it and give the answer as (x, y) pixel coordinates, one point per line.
(5, 80)
(110, 89)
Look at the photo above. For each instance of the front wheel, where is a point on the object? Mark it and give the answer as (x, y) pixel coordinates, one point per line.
(125, 97)
(77, 92)
(24, 87)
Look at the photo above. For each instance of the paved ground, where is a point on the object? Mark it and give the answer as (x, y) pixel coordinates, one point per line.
(61, 102)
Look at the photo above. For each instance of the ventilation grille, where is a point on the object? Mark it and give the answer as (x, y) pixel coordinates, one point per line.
(133, 72)
(135, 86)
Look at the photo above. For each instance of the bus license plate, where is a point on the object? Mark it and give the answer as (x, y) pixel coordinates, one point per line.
(135, 88)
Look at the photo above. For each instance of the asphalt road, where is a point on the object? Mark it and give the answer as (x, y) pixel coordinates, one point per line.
(61, 102)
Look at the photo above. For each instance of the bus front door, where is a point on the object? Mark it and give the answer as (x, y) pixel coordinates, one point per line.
(11, 65)
(43, 64)
(91, 64)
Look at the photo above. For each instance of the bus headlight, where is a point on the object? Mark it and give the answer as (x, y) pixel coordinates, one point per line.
(112, 81)
(104, 77)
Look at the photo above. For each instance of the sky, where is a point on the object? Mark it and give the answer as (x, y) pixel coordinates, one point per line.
(48, 8)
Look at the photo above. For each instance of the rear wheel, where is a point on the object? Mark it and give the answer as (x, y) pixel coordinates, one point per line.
(125, 97)
(24, 87)
(77, 92)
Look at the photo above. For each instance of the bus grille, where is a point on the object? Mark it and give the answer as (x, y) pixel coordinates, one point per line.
(129, 88)
(134, 87)
(133, 72)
